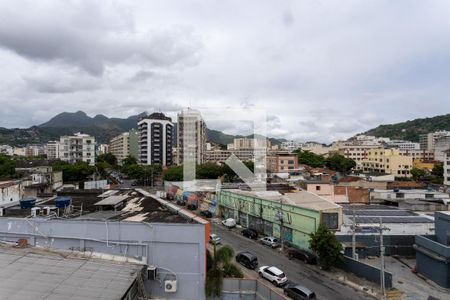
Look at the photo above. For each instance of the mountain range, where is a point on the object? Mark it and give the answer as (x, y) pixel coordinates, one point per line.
(410, 130)
(100, 126)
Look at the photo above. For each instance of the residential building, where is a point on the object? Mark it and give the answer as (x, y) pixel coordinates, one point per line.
(291, 216)
(441, 145)
(433, 252)
(11, 192)
(77, 147)
(249, 143)
(191, 136)
(290, 145)
(6, 150)
(356, 152)
(316, 148)
(133, 143)
(219, 156)
(20, 151)
(427, 141)
(103, 149)
(403, 145)
(424, 155)
(155, 139)
(447, 168)
(282, 163)
(387, 161)
(52, 150)
(119, 146)
(338, 193)
(39, 179)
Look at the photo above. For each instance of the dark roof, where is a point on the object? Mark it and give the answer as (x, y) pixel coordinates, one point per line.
(24, 164)
(159, 116)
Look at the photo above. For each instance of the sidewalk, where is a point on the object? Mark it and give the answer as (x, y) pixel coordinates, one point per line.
(412, 285)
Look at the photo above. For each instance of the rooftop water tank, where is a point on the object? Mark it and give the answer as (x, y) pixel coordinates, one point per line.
(27, 202)
(61, 202)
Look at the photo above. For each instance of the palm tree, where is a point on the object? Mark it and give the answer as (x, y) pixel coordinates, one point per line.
(218, 266)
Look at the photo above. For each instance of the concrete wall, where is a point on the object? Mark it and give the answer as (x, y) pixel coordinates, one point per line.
(355, 194)
(442, 221)
(11, 193)
(248, 289)
(262, 215)
(173, 248)
(368, 272)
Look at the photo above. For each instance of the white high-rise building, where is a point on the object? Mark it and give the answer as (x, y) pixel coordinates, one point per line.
(428, 140)
(191, 136)
(52, 150)
(77, 147)
(155, 140)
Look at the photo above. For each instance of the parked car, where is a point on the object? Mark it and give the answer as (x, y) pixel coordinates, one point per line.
(214, 239)
(229, 223)
(270, 241)
(298, 292)
(307, 257)
(206, 213)
(273, 274)
(181, 203)
(250, 233)
(191, 206)
(247, 259)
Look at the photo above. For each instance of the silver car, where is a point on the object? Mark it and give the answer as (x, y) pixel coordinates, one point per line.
(270, 241)
(214, 239)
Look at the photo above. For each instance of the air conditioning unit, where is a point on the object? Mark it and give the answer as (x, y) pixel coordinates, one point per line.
(170, 286)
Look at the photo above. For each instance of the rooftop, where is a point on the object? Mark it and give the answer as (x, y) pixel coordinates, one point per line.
(33, 273)
(372, 214)
(298, 198)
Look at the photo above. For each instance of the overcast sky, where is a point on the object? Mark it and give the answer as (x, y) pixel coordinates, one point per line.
(323, 70)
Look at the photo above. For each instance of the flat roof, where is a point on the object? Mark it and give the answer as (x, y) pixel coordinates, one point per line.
(112, 200)
(33, 273)
(300, 198)
(371, 214)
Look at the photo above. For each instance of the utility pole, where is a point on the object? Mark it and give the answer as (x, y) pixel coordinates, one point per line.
(354, 235)
(382, 285)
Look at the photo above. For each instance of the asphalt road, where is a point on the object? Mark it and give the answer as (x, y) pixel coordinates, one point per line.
(296, 271)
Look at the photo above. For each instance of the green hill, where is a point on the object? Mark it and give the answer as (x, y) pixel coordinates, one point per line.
(410, 130)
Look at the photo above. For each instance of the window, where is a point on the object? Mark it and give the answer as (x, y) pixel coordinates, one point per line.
(429, 196)
(330, 220)
(399, 195)
(317, 187)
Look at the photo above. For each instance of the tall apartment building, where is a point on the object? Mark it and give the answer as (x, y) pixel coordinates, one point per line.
(191, 136)
(441, 145)
(427, 141)
(155, 140)
(356, 152)
(249, 143)
(77, 147)
(387, 161)
(282, 163)
(119, 146)
(424, 155)
(52, 150)
(133, 143)
(447, 168)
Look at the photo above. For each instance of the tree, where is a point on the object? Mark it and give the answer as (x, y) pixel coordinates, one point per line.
(208, 171)
(327, 247)
(218, 266)
(108, 158)
(438, 173)
(129, 160)
(339, 163)
(7, 166)
(78, 171)
(417, 174)
(173, 173)
(309, 158)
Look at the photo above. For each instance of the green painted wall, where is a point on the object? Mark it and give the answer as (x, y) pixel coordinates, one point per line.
(301, 221)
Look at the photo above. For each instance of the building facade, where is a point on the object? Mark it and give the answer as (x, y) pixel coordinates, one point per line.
(52, 150)
(155, 140)
(282, 163)
(356, 152)
(191, 136)
(119, 146)
(427, 141)
(77, 147)
(447, 168)
(387, 161)
(403, 145)
(441, 145)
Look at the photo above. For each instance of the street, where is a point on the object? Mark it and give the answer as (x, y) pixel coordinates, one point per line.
(296, 271)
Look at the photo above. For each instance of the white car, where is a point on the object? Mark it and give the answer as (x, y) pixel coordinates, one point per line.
(270, 241)
(273, 274)
(214, 239)
(229, 223)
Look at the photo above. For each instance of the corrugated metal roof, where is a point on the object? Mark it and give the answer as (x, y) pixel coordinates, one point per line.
(112, 200)
(34, 274)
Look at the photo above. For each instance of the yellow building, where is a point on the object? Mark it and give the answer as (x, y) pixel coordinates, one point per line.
(387, 161)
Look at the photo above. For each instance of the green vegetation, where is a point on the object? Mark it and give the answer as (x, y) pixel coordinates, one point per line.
(108, 158)
(436, 175)
(418, 174)
(327, 247)
(309, 158)
(79, 171)
(7, 167)
(339, 163)
(219, 266)
(143, 174)
(410, 130)
(205, 171)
